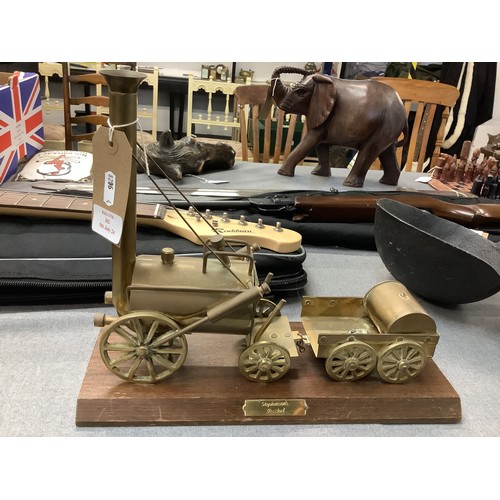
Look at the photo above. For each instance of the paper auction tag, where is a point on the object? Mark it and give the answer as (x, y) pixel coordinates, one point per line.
(425, 179)
(111, 173)
(107, 224)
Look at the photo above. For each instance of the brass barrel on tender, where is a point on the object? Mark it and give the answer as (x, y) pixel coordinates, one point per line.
(393, 309)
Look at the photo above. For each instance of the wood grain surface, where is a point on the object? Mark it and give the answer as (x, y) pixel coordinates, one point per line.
(209, 390)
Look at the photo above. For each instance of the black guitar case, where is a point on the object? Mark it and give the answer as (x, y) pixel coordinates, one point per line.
(51, 261)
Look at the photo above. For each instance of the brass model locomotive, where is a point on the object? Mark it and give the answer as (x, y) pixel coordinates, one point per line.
(162, 298)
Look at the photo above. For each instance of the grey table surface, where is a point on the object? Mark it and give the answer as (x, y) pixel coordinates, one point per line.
(46, 349)
(260, 177)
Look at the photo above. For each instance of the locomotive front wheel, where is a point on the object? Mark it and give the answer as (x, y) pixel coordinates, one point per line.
(401, 361)
(350, 361)
(128, 349)
(264, 362)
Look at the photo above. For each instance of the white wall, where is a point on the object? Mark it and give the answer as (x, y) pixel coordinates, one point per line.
(492, 126)
(262, 73)
(263, 70)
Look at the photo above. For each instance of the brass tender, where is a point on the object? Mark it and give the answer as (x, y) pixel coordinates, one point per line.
(161, 298)
(387, 331)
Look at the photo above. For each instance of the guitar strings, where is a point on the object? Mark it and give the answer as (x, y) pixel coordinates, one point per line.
(186, 199)
(207, 247)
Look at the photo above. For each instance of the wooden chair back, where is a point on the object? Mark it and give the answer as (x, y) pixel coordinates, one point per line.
(249, 100)
(52, 107)
(422, 98)
(151, 112)
(46, 70)
(216, 123)
(94, 103)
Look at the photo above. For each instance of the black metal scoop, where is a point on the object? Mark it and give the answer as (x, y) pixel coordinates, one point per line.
(435, 258)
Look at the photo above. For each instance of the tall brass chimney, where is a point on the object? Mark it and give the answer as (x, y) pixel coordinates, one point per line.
(123, 87)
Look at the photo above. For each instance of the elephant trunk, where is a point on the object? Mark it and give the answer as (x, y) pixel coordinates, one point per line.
(289, 70)
(278, 88)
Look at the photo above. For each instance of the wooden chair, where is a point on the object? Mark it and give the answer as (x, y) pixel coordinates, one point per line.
(52, 107)
(223, 124)
(276, 148)
(46, 70)
(421, 98)
(95, 109)
(151, 112)
(91, 97)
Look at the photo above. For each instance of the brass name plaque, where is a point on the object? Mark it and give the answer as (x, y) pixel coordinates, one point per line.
(275, 407)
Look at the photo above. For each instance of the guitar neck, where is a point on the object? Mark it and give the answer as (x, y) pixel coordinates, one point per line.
(181, 223)
(63, 206)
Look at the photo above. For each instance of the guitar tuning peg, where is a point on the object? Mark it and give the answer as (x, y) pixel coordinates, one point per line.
(242, 220)
(191, 211)
(225, 217)
(260, 224)
(278, 227)
(208, 214)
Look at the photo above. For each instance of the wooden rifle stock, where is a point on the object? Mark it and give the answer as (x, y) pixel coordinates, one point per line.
(361, 207)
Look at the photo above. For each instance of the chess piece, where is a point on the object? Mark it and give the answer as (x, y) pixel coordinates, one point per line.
(453, 168)
(459, 172)
(445, 173)
(438, 168)
(464, 153)
(477, 185)
(469, 171)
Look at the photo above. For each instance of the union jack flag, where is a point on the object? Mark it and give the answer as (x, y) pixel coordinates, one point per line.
(21, 123)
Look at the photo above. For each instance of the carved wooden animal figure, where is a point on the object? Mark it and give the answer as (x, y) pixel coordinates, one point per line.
(492, 148)
(362, 114)
(185, 156)
(493, 141)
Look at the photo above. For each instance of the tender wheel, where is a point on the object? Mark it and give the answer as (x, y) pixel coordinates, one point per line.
(264, 362)
(350, 361)
(130, 348)
(264, 308)
(401, 361)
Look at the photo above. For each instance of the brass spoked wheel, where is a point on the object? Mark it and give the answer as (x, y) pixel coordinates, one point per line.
(401, 361)
(264, 308)
(350, 361)
(264, 362)
(132, 347)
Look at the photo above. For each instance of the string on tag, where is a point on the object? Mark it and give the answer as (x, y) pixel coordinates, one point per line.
(123, 125)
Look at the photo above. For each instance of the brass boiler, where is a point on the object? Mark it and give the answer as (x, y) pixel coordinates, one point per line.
(188, 289)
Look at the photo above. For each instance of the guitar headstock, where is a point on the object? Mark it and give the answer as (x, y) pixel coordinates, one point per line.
(275, 238)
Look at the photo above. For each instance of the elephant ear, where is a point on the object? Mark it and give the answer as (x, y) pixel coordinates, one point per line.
(322, 100)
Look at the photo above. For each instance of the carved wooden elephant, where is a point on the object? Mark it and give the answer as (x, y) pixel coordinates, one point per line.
(362, 114)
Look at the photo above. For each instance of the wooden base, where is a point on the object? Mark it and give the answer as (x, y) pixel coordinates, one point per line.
(209, 389)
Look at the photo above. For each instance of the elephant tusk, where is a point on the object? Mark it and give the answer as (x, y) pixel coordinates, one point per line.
(274, 80)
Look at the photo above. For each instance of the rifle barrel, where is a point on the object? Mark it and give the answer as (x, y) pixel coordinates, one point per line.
(361, 208)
